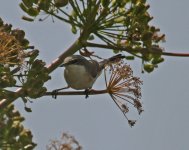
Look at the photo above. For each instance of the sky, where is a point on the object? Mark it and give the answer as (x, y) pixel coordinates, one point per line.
(96, 122)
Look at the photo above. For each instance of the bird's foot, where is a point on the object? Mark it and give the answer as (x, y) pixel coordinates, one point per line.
(87, 91)
(54, 93)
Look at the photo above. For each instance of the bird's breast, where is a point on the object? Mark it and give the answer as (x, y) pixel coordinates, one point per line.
(77, 77)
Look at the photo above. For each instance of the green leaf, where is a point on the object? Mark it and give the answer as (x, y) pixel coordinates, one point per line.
(74, 30)
(25, 42)
(33, 12)
(28, 3)
(130, 57)
(73, 14)
(120, 19)
(147, 56)
(23, 7)
(28, 109)
(33, 56)
(158, 60)
(27, 19)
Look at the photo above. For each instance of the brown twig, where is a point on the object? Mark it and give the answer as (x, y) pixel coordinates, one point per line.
(90, 92)
(141, 50)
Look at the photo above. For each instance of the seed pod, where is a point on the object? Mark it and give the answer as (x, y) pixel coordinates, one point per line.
(148, 67)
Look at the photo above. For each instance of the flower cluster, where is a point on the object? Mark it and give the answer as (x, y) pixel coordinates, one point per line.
(124, 88)
(67, 142)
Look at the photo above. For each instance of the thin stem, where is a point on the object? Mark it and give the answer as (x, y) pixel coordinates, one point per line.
(77, 11)
(101, 17)
(79, 24)
(116, 94)
(107, 29)
(114, 99)
(63, 19)
(112, 27)
(64, 12)
(114, 35)
(109, 42)
(15, 70)
(105, 78)
(110, 19)
(78, 7)
(83, 5)
(127, 96)
(129, 50)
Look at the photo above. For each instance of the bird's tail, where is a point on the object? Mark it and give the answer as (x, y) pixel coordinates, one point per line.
(111, 60)
(115, 58)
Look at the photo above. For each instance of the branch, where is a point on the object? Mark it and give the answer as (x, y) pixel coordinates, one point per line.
(138, 50)
(90, 92)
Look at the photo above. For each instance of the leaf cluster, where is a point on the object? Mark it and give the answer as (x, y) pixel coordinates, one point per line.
(18, 64)
(13, 135)
(37, 75)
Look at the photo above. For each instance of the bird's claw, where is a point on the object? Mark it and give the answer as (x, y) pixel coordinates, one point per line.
(87, 91)
(54, 94)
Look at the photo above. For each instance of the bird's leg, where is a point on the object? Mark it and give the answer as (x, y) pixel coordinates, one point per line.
(54, 92)
(87, 91)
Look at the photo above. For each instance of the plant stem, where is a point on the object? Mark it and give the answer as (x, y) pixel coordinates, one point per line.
(139, 50)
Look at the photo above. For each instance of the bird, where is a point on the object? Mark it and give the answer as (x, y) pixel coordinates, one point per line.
(81, 73)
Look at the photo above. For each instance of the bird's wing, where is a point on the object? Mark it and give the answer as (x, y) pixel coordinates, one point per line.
(111, 60)
(94, 68)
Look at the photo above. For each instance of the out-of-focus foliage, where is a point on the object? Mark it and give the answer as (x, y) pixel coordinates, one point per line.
(67, 142)
(121, 24)
(18, 68)
(18, 64)
(13, 135)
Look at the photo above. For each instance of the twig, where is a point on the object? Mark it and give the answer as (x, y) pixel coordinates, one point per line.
(90, 92)
(141, 50)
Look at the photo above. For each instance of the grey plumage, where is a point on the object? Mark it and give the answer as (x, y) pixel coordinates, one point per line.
(81, 73)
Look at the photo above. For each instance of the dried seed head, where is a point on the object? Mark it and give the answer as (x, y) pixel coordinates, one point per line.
(11, 51)
(131, 122)
(124, 88)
